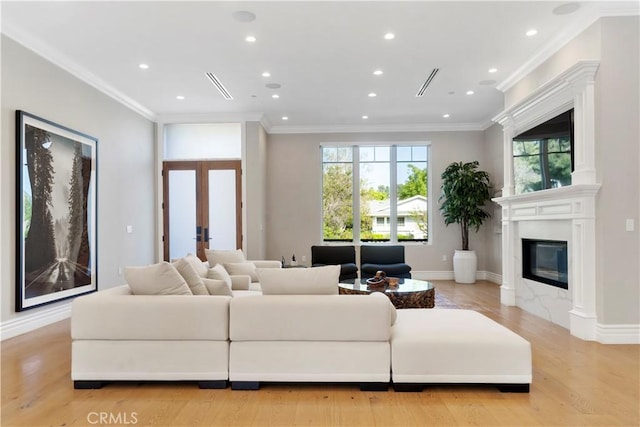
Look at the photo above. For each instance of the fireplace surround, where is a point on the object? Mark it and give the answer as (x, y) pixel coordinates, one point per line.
(567, 212)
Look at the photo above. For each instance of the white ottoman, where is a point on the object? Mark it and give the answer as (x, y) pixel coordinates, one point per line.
(457, 346)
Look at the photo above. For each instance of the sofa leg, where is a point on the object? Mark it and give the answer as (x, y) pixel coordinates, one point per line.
(85, 385)
(374, 386)
(212, 384)
(245, 385)
(513, 388)
(408, 387)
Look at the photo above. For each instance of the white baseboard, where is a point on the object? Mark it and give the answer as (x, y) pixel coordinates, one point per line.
(618, 334)
(24, 323)
(448, 275)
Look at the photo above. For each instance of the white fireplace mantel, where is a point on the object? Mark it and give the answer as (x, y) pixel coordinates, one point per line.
(572, 208)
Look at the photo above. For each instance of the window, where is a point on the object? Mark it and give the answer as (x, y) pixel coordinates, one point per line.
(337, 194)
(390, 183)
(542, 156)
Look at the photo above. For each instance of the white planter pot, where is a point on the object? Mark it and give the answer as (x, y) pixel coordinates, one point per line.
(465, 264)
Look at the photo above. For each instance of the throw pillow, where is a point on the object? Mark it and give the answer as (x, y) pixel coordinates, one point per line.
(200, 266)
(300, 281)
(191, 276)
(219, 273)
(217, 287)
(242, 268)
(217, 256)
(156, 279)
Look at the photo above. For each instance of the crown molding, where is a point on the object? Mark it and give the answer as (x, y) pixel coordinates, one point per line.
(589, 16)
(70, 66)
(197, 118)
(453, 127)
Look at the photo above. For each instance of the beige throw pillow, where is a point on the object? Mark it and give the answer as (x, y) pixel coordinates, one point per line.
(191, 276)
(156, 279)
(217, 256)
(217, 287)
(200, 267)
(300, 281)
(242, 268)
(219, 273)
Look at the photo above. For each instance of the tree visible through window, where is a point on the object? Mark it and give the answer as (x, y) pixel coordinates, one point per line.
(392, 190)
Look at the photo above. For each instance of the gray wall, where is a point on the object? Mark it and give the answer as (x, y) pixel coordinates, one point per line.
(494, 164)
(294, 192)
(613, 41)
(617, 152)
(125, 164)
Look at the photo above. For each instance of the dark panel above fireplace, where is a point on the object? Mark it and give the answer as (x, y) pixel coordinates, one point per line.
(546, 261)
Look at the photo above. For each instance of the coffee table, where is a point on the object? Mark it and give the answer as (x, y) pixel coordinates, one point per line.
(410, 293)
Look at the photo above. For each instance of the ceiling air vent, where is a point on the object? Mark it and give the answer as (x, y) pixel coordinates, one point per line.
(223, 90)
(427, 82)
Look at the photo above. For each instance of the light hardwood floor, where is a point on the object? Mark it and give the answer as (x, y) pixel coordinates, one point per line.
(575, 383)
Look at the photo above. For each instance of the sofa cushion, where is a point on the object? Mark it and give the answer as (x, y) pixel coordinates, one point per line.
(218, 256)
(300, 281)
(218, 272)
(191, 276)
(242, 268)
(217, 287)
(392, 309)
(156, 279)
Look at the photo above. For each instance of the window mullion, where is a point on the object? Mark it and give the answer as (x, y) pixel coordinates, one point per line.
(356, 193)
(393, 195)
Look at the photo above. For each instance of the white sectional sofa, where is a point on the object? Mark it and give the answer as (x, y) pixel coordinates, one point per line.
(306, 338)
(298, 330)
(117, 336)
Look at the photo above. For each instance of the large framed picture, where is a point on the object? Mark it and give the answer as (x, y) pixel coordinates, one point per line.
(56, 212)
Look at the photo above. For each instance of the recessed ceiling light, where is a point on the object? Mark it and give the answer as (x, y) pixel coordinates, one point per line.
(266, 74)
(451, 92)
(565, 9)
(389, 36)
(273, 85)
(493, 70)
(275, 96)
(285, 118)
(378, 72)
(372, 95)
(365, 117)
(470, 92)
(143, 66)
(531, 32)
(446, 116)
(180, 97)
(250, 39)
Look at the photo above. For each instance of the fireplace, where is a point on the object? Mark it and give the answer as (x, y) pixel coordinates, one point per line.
(545, 261)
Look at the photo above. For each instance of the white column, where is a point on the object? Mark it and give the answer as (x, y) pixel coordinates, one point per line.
(584, 134)
(508, 187)
(509, 233)
(582, 316)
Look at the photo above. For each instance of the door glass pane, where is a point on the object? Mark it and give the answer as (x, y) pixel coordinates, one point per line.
(182, 213)
(222, 209)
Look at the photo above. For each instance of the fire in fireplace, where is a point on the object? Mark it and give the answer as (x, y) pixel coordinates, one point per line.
(545, 261)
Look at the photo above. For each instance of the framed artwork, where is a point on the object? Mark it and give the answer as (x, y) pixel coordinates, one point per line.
(56, 199)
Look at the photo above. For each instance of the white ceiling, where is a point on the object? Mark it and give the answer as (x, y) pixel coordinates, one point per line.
(322, 53)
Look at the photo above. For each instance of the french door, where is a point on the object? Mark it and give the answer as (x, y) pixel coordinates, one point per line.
(202, 207)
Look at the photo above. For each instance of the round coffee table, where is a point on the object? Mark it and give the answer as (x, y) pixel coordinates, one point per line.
(409, 293)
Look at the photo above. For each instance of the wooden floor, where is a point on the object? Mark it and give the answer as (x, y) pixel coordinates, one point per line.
(575, 383)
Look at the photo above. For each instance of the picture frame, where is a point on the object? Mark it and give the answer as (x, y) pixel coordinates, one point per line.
(56, 218)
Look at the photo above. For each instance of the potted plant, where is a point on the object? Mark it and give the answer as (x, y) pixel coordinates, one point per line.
(465, 190)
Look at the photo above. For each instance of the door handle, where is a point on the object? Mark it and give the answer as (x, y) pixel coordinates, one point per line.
(206, 235)
(198, 237)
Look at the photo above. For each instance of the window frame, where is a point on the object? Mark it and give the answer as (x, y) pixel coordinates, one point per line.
(393, 189)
